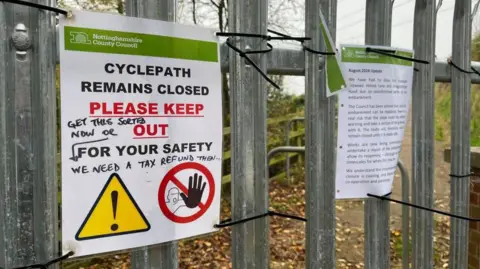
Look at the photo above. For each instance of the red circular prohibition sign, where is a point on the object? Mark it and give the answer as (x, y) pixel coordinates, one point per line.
(170, 176)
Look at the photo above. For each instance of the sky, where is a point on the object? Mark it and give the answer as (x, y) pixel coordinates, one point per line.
(351, 30)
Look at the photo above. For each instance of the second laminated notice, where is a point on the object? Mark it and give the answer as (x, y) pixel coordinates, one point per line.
(372, 114)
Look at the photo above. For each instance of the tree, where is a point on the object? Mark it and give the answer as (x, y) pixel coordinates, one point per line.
(215, 12)
(117, 6)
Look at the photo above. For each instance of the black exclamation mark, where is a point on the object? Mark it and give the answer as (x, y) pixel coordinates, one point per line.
(114, 195)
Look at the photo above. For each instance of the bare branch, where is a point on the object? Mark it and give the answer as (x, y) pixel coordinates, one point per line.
(194, 12)
(226, 14)
(215, 4)
(475, 9)
(220, 9)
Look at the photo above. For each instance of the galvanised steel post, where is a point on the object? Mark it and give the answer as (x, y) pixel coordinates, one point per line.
(248, 113)
(423, 133)
(378, 18)
(319, 143)
(28, 183)
(162, 256)
(460, 130)
(405, 215)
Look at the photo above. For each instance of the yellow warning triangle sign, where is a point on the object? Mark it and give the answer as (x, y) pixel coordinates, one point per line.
(115, 212)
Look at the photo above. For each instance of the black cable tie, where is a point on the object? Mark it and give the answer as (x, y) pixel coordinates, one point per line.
(272, 213)
(388, 194)
(268, 38)
(226, 223)
(450, 62)
(39, 6)
(461, 176)
(243, 54)
(229, 222)
(241, 35)
(316, 51)
(390, 54)
(422, 207)
(270, 48)
(287, 37)
(47, 264)
(475, 70)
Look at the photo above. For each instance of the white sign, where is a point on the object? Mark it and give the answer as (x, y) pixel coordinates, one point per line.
(372, 114)
(141, 113)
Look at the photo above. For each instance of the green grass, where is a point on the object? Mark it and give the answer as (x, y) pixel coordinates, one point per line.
(443, 102)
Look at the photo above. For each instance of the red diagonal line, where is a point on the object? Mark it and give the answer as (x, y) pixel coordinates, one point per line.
(184, 190)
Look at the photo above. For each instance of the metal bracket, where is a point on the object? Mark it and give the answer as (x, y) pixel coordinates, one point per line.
(21, 41)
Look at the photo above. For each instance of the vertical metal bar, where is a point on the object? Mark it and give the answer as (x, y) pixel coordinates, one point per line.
(151, 9)
(162, 256)
(249, 157)
(259, 10)
(377, 212)
(405, 215)
(460, 129)
(28, 186)
(319, 143)
(423, 131)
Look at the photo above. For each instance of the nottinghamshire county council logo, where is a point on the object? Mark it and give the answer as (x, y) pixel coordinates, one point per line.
(79, 38)
(349, 53)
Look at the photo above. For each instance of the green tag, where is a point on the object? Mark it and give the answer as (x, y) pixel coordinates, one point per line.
(335, 79)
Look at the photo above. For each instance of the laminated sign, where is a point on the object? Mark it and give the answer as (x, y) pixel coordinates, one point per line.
(372, 114)
(141, 113)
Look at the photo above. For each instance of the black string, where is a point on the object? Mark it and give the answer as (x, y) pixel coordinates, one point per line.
(268, 38)
(390, 53)
(316, 51)
(388, 194)
(421, 207)
(39, 6)
(287, 37)
(475, 70)
(229, 222)
(45, 265)
(450, 62)
(280, 37)
(462, 176)
(272, 213)
(270, 48)
(243, 54)
(241, 34)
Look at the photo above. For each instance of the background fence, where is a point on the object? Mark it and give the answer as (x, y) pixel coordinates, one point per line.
(28, 187)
